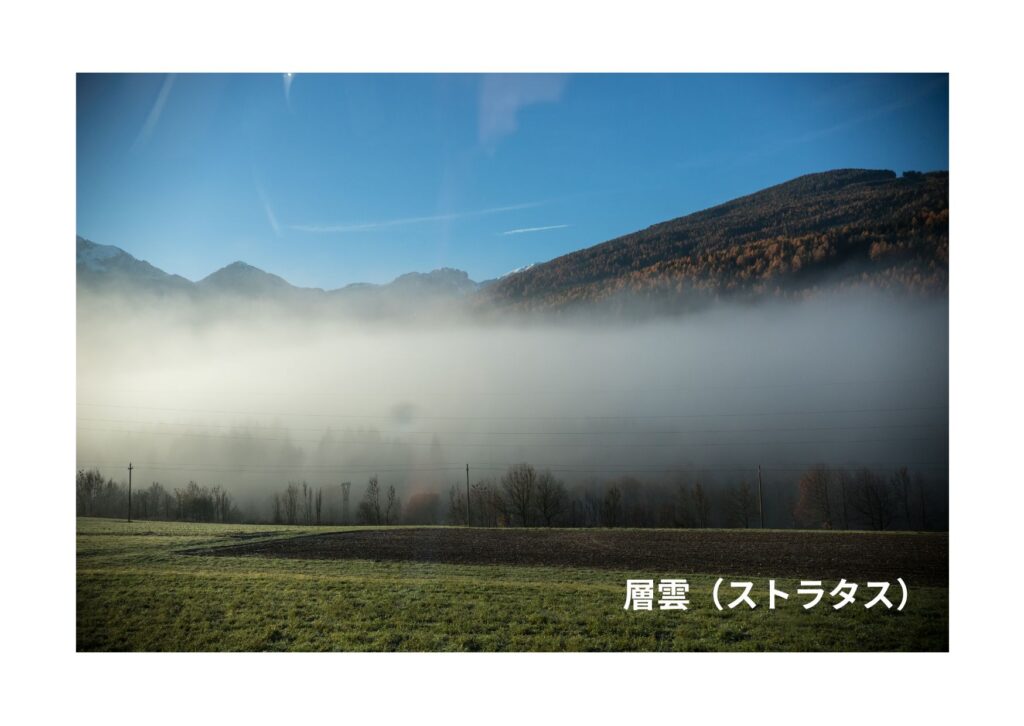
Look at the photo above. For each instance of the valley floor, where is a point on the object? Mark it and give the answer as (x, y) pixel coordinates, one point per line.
(159, 586)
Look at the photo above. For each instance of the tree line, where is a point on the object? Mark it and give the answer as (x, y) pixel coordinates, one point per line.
(823, 498)
(863, 499)
(99, 497)
(299, 503)
(523, 496)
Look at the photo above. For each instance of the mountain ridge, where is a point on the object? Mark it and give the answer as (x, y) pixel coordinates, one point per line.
(239, 275)
(840, 228)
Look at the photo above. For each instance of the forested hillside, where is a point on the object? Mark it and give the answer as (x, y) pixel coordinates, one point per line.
(838, 229)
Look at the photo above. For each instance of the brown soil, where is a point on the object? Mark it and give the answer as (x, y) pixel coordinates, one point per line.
(857, 556)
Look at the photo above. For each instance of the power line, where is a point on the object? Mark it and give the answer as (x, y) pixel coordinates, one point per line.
(663, 417)
(556, 468)
(400, 444)
(629, 432)
(587, 390)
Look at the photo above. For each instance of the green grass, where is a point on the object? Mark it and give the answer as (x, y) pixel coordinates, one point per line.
(136, 591)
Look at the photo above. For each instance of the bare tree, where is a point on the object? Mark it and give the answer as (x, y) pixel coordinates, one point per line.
(900, 483)
(221, 504)
(159, 500)
(88, 485)
(611, 507)
(844, 496)
(519, 483)
(682, 509)
(369, 508)
(142, 504)
(551, 497)
(814, 507)
(392, 507)
(919, 480)
(481, 504)
(319, 503)
(742, 504)
(456, 506)
(872, 499)
(291, 503)
(501, 511)
(307, 503)
(701, 505)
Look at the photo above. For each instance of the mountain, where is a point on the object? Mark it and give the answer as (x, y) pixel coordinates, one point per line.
(243, 280)
(414, 294)
(109, 269)
(843, 228)
(445, 280)
(106, 266)
(837, 229)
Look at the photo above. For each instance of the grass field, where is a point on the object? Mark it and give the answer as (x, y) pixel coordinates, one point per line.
(160, 586)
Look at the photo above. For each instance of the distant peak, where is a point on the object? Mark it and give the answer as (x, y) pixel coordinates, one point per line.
(97, 257)
(238, 267)
(439, 272)
(240, 276)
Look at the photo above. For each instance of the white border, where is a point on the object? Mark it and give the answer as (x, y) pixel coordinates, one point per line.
(46, 45)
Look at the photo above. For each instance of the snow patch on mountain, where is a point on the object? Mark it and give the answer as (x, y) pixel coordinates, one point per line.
(524, 268)
(96, 257)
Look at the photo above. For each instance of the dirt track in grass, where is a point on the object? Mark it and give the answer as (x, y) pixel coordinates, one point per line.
(918, 558)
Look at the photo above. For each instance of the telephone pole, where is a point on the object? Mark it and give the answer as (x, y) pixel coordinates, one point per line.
(469, 522)
(130, 467)
(760, 497)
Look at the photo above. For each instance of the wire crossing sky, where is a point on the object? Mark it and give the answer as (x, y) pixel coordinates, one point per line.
(332, 179)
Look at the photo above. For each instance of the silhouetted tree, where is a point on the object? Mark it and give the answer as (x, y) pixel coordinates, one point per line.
(872, 499)
(291, 503)
(88, 485)
(369, 508)
(551, 498)
(900, 483)
(742, 504)
(519, 483)
(814, 506)
(683, 507)
(701, 505)
(456, 506)
(392, 508)
(922, 500)
(611, 508)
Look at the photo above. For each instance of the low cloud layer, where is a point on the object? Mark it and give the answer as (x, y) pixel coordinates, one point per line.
(253, 401)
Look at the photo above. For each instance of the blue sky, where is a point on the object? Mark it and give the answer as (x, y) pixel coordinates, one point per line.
(332, 179)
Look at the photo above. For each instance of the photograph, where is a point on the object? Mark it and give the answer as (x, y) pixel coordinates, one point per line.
(513, 362)
(491, 363)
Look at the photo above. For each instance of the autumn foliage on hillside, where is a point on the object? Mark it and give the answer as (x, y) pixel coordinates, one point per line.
(841, 228)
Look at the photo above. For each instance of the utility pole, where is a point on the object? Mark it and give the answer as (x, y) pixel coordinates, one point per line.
(469, 522)
(130, 467)
(760, 497)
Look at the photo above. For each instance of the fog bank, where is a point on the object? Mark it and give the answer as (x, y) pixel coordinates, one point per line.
(253, 401)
